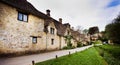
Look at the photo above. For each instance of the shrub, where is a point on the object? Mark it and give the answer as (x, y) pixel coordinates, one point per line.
(98, 42)
(69, 44)
(79, 44)
(73, 47)
(68, 47)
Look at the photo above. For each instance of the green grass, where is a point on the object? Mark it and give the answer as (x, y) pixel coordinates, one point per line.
(98, 55)
(112, 49)
(111, 53)
(98, 42)
(87, 57)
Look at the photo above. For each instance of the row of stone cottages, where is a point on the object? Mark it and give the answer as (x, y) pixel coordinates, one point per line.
(24, 28)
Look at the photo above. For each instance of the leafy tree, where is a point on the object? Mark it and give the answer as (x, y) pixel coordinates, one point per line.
(68, 40)
(113, 31)
(103, 38)
(93, 30)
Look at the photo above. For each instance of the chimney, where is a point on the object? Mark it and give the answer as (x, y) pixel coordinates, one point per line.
(60, 20)
(72, 28)
(48, 12)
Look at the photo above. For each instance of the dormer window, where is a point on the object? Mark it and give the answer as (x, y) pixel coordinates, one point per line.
(52, 30)
(22, 17)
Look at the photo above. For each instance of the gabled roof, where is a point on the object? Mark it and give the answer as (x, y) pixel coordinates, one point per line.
(24, 6)
(60, 28)
(75, 34)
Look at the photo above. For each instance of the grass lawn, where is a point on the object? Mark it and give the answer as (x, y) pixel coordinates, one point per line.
(87, 57)
(111, 53)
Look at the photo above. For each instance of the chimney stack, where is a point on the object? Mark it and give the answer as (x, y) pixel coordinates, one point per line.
(48, 12)
(60, 20)
(72, 28)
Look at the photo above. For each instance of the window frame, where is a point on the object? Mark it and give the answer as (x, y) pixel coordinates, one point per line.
(34, 40)
(52, 41)
(22, 17)
(52, 30)
(25, 17)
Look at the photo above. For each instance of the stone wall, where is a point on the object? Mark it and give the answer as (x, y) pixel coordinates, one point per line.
(63, 42)
(54, 36)
(16, 35)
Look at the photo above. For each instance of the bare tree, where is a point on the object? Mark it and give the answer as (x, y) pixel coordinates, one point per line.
(85, 31)
(79, 29)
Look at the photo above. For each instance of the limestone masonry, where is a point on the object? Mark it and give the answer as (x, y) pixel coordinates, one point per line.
(24, 28)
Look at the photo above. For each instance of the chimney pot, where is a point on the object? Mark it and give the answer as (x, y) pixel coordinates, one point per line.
(48, 12)
(60, 20)
(72, 28)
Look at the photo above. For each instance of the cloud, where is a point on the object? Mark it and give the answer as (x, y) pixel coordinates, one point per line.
(86, 13)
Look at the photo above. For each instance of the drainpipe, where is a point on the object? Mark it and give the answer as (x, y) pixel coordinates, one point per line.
(46, 41)
(60, 42)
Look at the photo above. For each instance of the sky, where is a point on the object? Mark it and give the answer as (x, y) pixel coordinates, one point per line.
(84, 13)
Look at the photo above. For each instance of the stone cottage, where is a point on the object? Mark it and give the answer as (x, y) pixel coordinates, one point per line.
(76, 36)
(63, 30)
(52, 39)
(21, 27)
(24, 28)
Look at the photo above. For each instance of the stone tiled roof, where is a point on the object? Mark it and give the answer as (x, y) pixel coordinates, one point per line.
(24, 6)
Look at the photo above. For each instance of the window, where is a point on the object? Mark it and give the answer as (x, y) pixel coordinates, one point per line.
(52, 41)
(68, 32)
(22, 17)
(25, 17)
(34, 39)
(52, 30)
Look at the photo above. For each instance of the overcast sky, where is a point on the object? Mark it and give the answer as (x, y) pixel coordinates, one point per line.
(85, 13)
